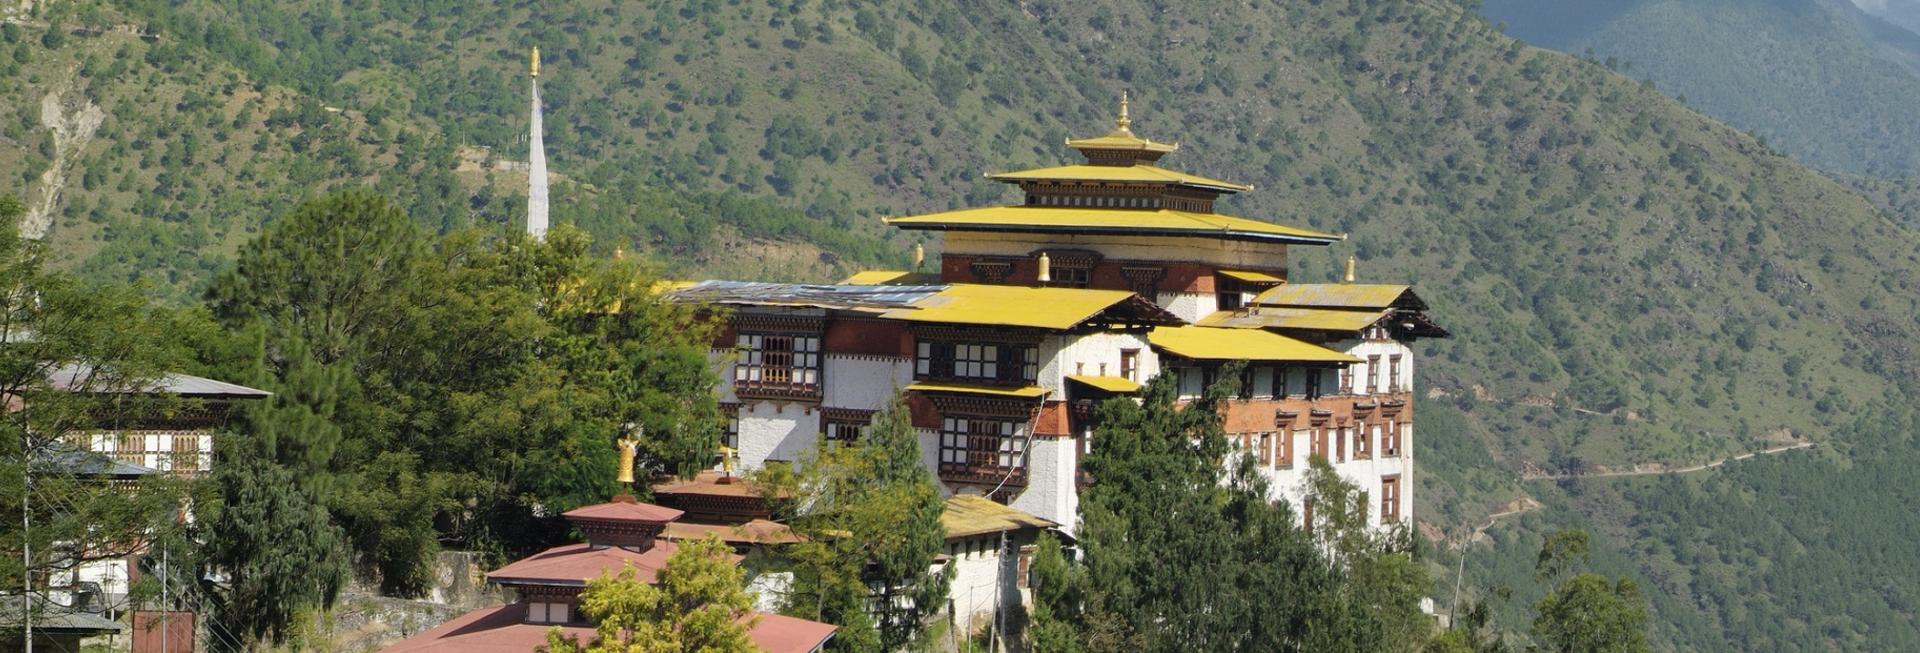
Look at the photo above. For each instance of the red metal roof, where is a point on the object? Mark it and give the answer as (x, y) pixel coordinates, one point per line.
(625, 510)
(575, 564)
(503, 630)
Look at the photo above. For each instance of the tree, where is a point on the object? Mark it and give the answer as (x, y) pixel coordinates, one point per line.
(699, 603)
(76, 359)
(281, 553)
(1186, 551)
(1383, 578)
(871, 514)
(1586, 613)
(1057, 590)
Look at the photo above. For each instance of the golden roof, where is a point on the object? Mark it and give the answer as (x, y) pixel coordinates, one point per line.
(1133, 174)
(1220, 344)
(967, 515)
(1114, 384)
(1317, 319)
(1028, 392)
(891, 278)
(1054, 219)
(1252, 277)
(1333, 295)
(1022, 306)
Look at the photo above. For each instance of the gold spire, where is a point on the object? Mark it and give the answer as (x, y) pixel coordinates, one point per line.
(533, 68)
(1045, 274)
(1349, 268)
(1123, 122)
(919, 255)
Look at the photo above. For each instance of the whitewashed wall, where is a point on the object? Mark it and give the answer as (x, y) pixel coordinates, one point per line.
(861, 381)
(1061, 356)
(984, 573)
(1051, 493)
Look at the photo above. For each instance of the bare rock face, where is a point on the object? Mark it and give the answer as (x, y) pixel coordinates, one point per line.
(363, 620)
(72, 130)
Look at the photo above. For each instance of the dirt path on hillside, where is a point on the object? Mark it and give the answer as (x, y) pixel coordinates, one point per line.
(72, 130)
(1655, 469)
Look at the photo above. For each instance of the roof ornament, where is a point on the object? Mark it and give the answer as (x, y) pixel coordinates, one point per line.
(1123, 122)
(1349, 278)
(533, 67)
(919, 256)
(1046, 269)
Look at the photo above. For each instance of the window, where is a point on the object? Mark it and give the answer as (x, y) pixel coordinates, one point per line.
(1340, 444)
(1071, 276)
(1227, 293)
(1280, 382)
(1144, 282)
(975, 361)
(1266, 449)
(1390, 442)
(730, 425)
(1318, 442)
(1283, 458)
(1393, 373)
(186, 453)
(845, 424)
(1313, 384)
(1362, 437)
(1373, 374)
(1246, 382)
(541, 612)
(1389, 499)
(983, 449)
(789, 363)
(130, 448)
(1129, 363)
(1346, 381)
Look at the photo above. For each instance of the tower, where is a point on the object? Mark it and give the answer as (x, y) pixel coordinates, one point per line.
(536, 161)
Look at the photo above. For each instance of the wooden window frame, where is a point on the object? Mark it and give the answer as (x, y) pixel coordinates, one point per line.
(845, 424)
(1393, 373)
(1373, 374)
(1362, 438)
(1391, 444)
(1390, 499)
(1283, 454)
(778, 365)
(1129, 363)
(978, 448)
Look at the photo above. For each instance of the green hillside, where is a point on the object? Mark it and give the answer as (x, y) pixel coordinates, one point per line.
(1823, 81)
(1630, 282)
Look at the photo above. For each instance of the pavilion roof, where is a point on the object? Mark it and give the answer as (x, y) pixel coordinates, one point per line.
(503, 629)
(1222, 344)
(573, 565)
(1133, 174)
(1112, 221)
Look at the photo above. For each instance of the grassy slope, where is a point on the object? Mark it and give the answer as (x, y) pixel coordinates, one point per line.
(1630, 281)
(1819, 79)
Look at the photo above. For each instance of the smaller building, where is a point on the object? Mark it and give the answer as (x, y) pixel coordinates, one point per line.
(989, 548)
(547, 586)
(56, 628)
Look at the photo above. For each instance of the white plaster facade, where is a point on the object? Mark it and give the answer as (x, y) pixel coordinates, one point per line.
(986, 570)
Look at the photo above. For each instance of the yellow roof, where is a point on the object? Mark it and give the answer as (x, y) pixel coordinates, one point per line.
(1214, 343)
(1021, 306)
(1053, 219)
(966, 515)
(1139, 174)
(891, 278)
(1107, 383)
(1029, 392)
(1253, 277)
(1121, 139)
(1317, 319)
(1332, 295)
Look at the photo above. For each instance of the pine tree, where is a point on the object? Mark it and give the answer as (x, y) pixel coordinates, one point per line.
(281, 553)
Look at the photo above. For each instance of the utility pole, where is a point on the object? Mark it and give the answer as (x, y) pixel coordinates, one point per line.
(166, 611)
(26, 545)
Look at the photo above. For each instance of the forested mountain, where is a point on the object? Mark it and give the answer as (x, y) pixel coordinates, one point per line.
(1629, 281)
(1832, 84)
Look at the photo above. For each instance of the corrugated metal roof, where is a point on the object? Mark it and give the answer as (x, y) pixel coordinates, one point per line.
(1253, 277)
(1055, 219)
(891, 278)
(835, 296)
(1047, 308)
(967, 515)
(1219, 344)
(77, 377)
(1333, 295)
(1107, 383)
(1316, 319)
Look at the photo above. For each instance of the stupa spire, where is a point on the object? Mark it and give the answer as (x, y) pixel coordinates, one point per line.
(536, 160)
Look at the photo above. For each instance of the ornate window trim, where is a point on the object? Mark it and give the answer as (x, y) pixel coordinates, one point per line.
(991, 270)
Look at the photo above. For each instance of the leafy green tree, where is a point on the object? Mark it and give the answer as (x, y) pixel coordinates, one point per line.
(76, 359)
(871, 512)
(1383, 578)
(280, 552)
(1186, 552)
(699, 603)
(1057, 589)
(1586, 613)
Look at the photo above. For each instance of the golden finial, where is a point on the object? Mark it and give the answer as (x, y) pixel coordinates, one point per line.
(533, 68)
(1123, 122)
(726, 459)
(1349, 268)
(919, 255)
(1046, 269)
(628, 445)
